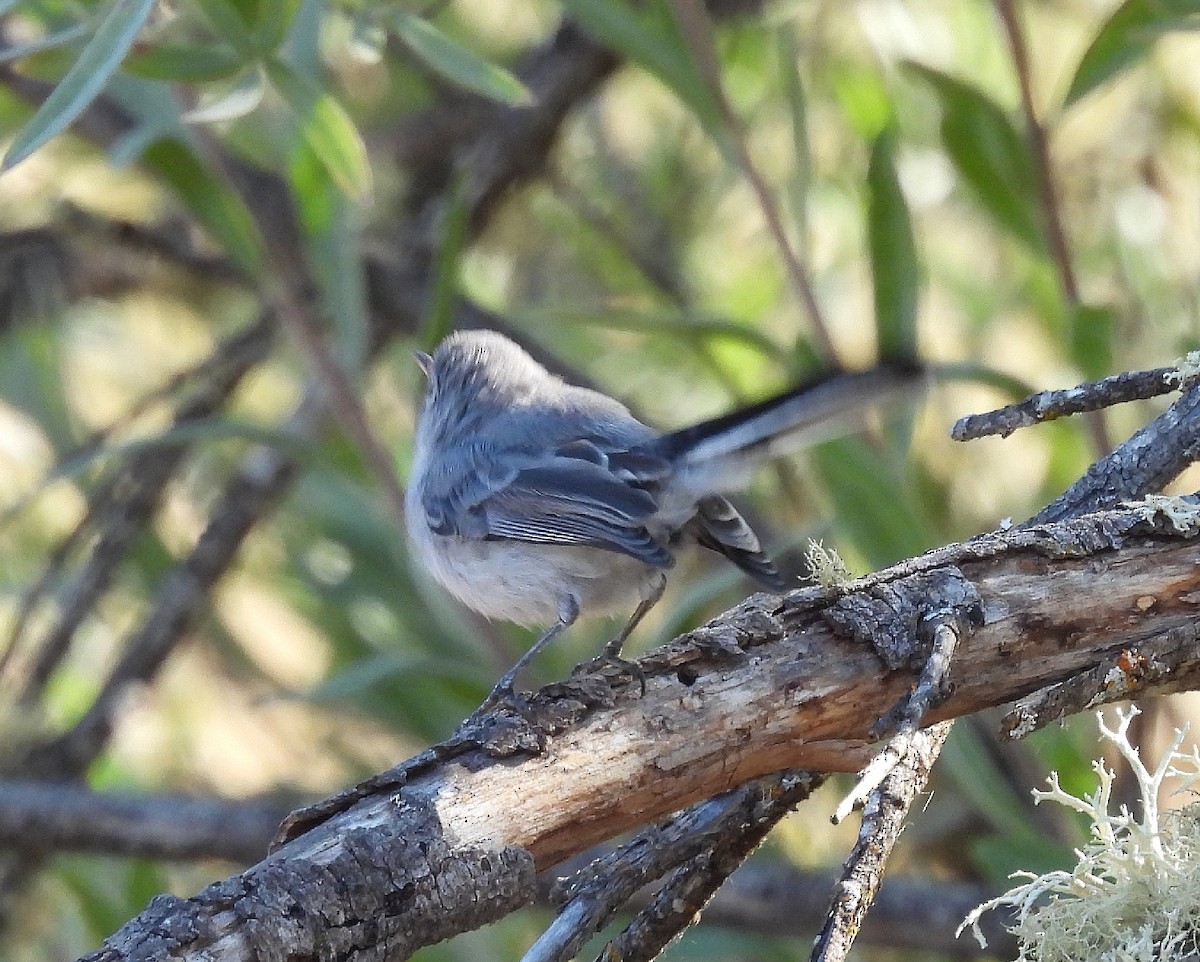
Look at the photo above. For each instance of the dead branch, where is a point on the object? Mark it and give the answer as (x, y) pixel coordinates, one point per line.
(453, 838)
(1051, 405)
(42, 817)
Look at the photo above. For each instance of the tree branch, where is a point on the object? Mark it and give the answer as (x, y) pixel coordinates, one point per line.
(453, 838)
(39, 817)
(909, 912)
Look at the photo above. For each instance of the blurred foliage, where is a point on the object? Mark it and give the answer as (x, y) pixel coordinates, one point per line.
(878, 152)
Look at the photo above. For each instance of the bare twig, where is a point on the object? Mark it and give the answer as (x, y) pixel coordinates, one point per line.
(1051, 208)
(39, 818)
(771, 899)
(697, 31)
(123, 504)
(589, 899)
(883, 818)
(678, 903)
(1142, 465)
(1050, 405)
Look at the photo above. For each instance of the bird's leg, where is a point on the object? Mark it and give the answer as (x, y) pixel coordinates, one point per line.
(611, 653)
(504, 692)
(613, 648)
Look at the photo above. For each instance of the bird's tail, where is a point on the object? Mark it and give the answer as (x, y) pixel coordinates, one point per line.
(721, 454)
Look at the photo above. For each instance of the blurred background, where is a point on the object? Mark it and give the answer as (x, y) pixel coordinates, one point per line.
(225, 225)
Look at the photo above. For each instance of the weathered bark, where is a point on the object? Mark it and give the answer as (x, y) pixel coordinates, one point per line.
(453, 838)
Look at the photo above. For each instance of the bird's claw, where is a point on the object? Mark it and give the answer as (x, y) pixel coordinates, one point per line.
(612, 659)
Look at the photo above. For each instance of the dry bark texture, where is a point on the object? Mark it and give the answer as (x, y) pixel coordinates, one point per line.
(454, 837)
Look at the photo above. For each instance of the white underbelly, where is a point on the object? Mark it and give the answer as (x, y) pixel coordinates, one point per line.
(534, 584)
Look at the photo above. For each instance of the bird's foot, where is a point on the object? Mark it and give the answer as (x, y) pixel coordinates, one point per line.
(503, 695)
(611, 657)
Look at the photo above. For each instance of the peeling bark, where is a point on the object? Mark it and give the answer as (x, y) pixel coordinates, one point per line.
(452, 839)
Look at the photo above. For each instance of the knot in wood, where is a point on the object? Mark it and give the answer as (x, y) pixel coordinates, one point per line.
(897, 618)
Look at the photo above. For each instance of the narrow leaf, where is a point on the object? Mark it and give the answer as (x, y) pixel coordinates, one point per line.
(327, 129)
(303, 47)
(209, 200)
(240, 99)
(1092, 329)
(331, 225)
(990, 154)
(446, 265)
(230, 24)
(455, 63)
(648, 35)
(99, 59)
(275, 20)
(797, 103)
(895, 268)
(1127, 37)
(184, 64)
(59, 38)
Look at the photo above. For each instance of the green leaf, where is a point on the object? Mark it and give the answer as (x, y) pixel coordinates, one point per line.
(1092, 340)
(184, 64)
(331, 225)
(972, 372)
(1126, 37)
(864, 485)
(97, 62)
(446, 265)
(895, 268)
(998, 857)
(303, 47)
(256, 27)
(210, 201)
(228, 21)
(864, 99)
(648, 35)
(800, 179)
(274, 21)
(326, 128)
(971, 765)
(455, 63)
(990, 154)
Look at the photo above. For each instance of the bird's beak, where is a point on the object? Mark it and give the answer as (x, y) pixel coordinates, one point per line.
(424, 362)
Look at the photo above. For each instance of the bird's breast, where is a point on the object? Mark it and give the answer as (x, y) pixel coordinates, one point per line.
(531, 584)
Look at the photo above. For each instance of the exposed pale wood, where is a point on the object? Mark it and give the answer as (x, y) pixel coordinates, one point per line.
(768, 686)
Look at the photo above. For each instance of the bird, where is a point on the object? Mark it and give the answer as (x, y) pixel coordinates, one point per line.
(536, 501)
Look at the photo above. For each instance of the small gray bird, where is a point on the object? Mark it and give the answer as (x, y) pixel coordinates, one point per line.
(535, 501)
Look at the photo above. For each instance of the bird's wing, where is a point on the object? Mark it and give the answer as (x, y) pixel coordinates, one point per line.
(578, 494)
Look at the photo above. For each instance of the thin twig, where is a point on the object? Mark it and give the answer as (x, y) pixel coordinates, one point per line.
(1047, 194)
(589, 899)
(768, 898)
(124, 503)
(883, 819)
(696, 24)
(1050, 405)
(43, 817)
(677, 905)
(1142, 465)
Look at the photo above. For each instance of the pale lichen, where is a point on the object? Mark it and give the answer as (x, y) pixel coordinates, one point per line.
(1188, 368)
(1182, 513)
(826, 565)
(1134, 895)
